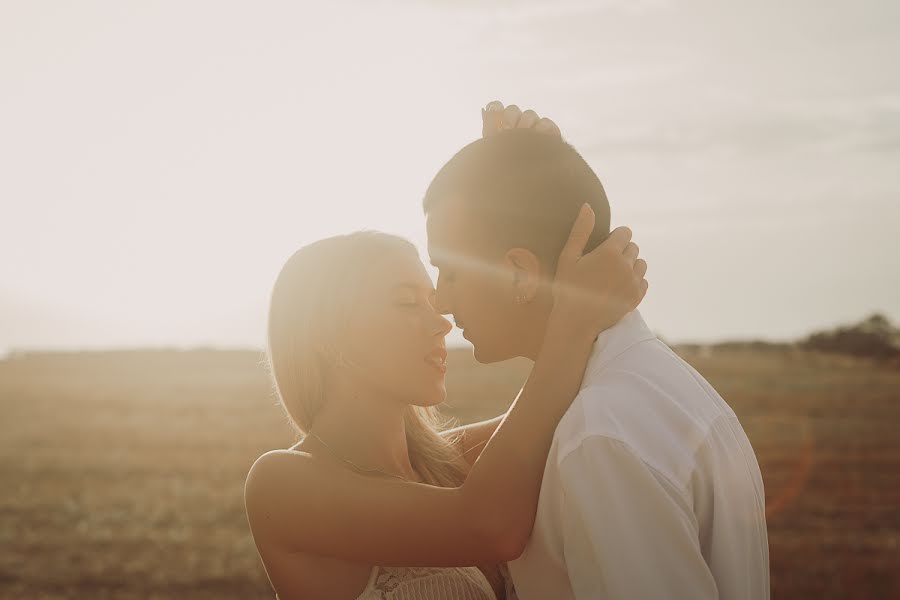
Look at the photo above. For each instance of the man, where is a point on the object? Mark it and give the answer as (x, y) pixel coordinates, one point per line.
(651, 489)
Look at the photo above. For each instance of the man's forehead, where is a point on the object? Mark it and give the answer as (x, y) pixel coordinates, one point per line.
(439, 226)
(449, 232)
(445, 215)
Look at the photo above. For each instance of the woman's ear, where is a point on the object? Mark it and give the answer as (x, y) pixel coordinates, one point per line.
(525, 269)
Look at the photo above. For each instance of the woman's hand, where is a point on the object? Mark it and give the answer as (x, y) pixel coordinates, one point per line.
(592, 291)
(495, 118)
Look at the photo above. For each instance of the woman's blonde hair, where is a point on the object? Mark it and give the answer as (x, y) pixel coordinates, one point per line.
(310, 303)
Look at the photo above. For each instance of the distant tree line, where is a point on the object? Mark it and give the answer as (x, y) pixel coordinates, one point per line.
(873, 337)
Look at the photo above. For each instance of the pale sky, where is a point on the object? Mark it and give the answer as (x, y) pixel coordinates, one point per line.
(160, 160)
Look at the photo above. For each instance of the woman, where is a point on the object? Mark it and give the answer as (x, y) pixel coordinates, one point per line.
(374, 502)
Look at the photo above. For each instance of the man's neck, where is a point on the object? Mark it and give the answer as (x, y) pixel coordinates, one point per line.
(532, 334)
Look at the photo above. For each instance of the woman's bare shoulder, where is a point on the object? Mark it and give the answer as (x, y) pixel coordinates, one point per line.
(271, 489)
(276, 473)
(275, 465)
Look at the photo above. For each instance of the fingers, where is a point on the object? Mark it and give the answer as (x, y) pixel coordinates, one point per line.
(640, 268)
(511, 116)
(495, 117)
(642, 291)
(528, 119)
(491, 118)
(618, 240)
(547, 126)
(578, 236)
(640, 271)
(631, 252)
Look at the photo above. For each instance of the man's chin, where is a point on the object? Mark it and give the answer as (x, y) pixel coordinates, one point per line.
(485, 355)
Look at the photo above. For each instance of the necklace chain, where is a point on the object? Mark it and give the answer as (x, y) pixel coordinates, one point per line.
(338, 456)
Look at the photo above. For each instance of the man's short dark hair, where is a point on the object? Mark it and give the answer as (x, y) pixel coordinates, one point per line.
(524, 188)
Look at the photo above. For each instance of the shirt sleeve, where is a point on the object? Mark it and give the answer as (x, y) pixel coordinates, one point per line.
(627, 532)
(733, 500)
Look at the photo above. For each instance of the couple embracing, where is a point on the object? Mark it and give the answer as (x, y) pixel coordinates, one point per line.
(617, 472)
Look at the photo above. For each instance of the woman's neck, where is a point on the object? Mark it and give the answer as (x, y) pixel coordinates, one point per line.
(366, 430)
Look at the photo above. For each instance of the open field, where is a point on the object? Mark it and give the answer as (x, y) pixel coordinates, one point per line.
(122, 473)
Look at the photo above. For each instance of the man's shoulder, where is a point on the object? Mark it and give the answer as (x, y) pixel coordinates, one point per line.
(649, 400)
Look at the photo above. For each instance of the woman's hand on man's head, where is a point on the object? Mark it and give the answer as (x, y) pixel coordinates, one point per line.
(496, 118)
(596, 289)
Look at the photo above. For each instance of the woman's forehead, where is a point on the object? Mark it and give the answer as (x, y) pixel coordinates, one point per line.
(400, 269)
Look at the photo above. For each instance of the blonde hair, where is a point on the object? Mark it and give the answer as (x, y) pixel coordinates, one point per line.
(311, 300)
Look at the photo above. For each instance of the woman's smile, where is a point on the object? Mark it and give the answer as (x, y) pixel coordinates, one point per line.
(437, 359)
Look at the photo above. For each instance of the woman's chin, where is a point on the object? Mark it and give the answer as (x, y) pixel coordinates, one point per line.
(431, 397)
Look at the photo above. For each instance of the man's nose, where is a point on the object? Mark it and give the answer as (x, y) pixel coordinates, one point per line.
(442, 300)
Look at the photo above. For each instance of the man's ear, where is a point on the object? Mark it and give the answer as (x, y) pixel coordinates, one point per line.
(526, 273)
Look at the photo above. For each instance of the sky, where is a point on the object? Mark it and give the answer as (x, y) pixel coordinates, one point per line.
(160, 160)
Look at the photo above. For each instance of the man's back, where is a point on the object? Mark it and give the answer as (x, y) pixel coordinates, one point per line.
(651, 489)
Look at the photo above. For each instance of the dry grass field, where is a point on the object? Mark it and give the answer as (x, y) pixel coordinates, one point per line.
(122, 473)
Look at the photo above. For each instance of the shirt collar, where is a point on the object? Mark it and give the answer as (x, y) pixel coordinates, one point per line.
(612, 342)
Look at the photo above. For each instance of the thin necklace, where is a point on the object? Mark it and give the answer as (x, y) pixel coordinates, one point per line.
(335, 454)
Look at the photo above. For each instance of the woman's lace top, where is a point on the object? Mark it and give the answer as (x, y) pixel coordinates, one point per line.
(427, 583)
(432, 583)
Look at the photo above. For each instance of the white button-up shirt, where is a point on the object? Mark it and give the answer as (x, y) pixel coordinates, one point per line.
(651, 489)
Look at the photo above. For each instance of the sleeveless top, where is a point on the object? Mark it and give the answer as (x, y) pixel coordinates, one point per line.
(427, 583)
(432, 583)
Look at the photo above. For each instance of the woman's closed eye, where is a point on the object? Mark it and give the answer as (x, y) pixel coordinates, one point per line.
(410, 297)
(425, 303)
(413, 302)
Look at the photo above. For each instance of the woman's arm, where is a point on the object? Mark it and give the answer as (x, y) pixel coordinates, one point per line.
(300, 504)
(297, 504)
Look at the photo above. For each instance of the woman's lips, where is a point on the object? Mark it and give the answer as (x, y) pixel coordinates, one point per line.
(437, 358)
